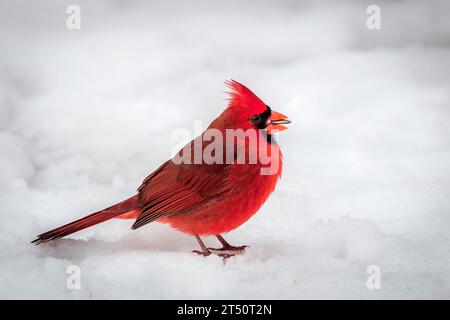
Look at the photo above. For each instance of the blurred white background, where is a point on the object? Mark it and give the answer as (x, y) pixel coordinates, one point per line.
(86, 114)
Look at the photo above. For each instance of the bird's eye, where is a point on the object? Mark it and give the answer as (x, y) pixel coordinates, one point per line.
(255, 118)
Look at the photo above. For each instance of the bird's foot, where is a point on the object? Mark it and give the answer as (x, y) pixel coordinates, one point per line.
(204, 253)
(228, 251)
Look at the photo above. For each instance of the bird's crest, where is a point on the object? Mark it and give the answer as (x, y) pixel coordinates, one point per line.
(243, 98)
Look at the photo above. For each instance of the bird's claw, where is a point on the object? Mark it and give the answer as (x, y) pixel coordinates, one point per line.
(202, 253)
(228, 251)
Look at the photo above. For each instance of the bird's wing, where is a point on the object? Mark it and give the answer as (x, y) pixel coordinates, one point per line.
(173, 189)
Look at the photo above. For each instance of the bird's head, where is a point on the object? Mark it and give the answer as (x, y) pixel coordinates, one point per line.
(251, 112)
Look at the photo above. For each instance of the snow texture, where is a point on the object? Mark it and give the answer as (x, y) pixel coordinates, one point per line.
(86, 114)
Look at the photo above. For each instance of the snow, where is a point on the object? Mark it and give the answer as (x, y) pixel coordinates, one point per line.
(86, 114)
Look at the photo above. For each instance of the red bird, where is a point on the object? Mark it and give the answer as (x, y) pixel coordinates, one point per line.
(204, 199)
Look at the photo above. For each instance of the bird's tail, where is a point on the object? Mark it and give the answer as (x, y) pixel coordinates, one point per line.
(124, 208)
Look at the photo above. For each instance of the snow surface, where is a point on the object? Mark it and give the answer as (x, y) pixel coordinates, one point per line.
(85, 115)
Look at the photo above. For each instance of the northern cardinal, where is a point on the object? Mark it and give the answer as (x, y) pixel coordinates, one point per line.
(204, 199)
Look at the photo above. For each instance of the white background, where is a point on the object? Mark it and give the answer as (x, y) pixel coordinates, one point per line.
(85, 115)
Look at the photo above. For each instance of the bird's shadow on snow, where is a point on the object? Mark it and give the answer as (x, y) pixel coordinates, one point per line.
(76, 249)
(79, 249)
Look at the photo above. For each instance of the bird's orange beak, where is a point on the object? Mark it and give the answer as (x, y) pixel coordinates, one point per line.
(276, 121)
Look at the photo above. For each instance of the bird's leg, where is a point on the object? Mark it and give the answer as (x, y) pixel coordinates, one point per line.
(227, 250)
(205, 251)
